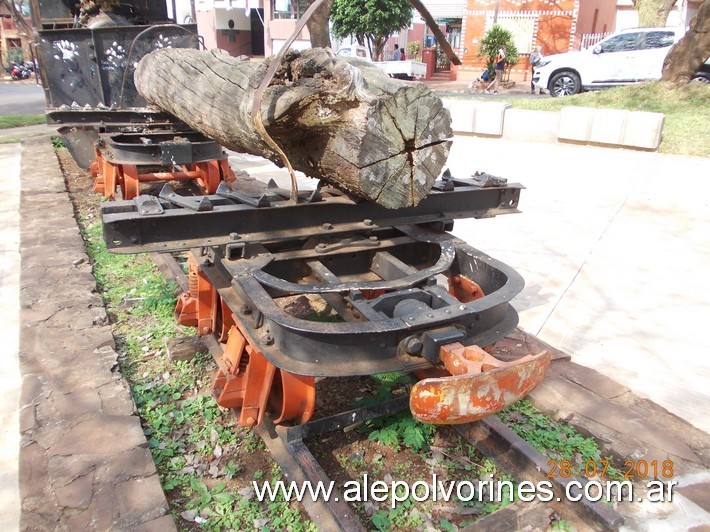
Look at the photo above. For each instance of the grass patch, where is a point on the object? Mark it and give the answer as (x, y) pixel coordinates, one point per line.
(8, 121)
(687, 108)
(204, 459)
(10, 140)
(561, 442)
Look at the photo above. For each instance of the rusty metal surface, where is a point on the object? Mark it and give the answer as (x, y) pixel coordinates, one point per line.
(479, 385)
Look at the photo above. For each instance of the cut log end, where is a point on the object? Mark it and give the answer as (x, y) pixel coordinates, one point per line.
(343, 121)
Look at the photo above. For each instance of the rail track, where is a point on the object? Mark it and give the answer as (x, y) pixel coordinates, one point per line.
(489, 436)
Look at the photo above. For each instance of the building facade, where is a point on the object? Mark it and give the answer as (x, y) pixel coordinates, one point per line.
(261, 27)
(14, 46)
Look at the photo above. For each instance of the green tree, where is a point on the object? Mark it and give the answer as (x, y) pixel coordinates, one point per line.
(370, 21)
(496, 37)
(653, 12)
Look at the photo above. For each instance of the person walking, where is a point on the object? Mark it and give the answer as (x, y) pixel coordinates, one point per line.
(500, 66)
(535, 59)
(395, 53)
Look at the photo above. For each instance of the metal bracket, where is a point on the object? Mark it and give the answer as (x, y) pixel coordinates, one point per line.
(176, 152)
(432, 340)
(194, 203)
(484, 180)
(148, 205)
(224, 191)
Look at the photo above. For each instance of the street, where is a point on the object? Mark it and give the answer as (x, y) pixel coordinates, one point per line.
(21, 98)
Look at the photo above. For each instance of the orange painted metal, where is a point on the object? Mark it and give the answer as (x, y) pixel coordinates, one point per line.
(129, 181)
(479, 385)
(247, 381)
(200, 306)
(186, 308)
(464, 289)
(109, 177)
(296, 399)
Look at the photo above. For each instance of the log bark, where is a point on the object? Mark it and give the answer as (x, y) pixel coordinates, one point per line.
(341, 120)
(688, 54)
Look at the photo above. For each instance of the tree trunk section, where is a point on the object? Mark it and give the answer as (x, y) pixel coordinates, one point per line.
(319, 25)
(340, 120)
(686, 56)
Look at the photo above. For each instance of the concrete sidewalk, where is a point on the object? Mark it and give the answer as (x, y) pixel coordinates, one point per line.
(10, 379)
(613, 245)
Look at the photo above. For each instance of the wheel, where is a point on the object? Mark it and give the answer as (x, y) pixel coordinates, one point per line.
(702, 77)
(565, 83)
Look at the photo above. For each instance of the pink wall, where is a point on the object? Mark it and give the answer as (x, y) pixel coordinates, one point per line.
(605, 11)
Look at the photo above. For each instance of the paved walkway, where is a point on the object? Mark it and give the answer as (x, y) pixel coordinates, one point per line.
(84, 461)
(613, 246)
(10, 380)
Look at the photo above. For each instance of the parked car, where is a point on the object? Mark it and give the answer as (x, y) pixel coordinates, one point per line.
(397, 69)
(628, 56)
(355, 50)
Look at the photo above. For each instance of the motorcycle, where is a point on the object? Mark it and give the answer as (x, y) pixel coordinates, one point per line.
(18, 71)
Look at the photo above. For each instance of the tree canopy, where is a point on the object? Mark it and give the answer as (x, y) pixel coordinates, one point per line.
(653, 13)
(370, 21)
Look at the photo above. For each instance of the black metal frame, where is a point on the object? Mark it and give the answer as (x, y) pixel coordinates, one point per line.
(331, 248)
(232, 222)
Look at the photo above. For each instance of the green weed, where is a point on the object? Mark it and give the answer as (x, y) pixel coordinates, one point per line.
(559, 441)
(399, 429)
(180, 419)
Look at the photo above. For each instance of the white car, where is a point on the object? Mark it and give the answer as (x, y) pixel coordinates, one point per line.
(628, 56)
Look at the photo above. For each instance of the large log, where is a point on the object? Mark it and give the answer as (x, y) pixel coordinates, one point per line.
(341, 120)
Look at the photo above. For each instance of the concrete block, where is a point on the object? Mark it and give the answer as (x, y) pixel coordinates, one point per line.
(481, 118)
(608, 126)
(575, 123)
(488, 118)
(462, 112)
(643, 130)
(530, 126)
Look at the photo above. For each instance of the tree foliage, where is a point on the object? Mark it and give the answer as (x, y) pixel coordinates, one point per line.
(370, 21)
(653, 13)
(496, 37)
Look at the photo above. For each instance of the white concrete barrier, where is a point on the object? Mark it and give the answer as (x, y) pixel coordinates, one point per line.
(585, 125)
(480, 118)
(616, 127)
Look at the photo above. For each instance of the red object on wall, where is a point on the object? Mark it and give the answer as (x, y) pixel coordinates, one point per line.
(429, 57)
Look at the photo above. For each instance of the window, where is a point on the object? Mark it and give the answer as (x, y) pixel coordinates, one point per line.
(620, 43)
(658, 39)
(289, 9)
